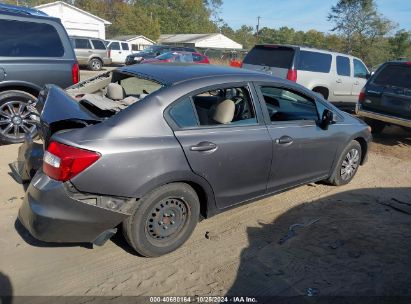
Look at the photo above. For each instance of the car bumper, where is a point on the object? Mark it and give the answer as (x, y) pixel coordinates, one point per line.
(51, 214)
(382, 117)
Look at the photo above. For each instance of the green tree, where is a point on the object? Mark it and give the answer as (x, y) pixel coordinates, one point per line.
(400, 43)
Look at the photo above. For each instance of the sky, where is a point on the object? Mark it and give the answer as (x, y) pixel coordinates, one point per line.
(302, 14)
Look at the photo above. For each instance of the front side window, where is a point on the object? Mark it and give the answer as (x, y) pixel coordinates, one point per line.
(229, 106)
(16, 39)
(360, 71)
(124, 46)
(314, 62)
(286, 105)
(343, 66)
(98, 44)
(115, 46)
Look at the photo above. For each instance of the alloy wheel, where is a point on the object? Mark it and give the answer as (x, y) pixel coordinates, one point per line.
(350, 164)
(16, 121)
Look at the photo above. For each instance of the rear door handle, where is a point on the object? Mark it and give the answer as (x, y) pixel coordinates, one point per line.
(203, 146)
(284, 140)
(339, 81)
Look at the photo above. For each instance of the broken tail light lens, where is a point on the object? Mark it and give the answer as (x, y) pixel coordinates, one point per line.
(62, 162)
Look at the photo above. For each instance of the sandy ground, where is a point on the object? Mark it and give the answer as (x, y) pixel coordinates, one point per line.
(354, 240)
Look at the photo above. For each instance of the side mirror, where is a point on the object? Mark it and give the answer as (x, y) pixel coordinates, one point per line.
(327, 119)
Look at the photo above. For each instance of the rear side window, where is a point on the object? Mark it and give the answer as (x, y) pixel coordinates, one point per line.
(183, 113)
(314, 62)
(114, 46)
(360, 71)
(124, 46)
(29, 39)
(394, 75)
(82, 44)
(279, 57)
(343, 66)
(98, 44)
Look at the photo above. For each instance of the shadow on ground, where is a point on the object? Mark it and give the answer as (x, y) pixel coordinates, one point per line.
(355, 243)
(392, 136)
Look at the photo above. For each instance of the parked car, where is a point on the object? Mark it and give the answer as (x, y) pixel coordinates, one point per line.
(119, 50)
(34, 50)
(339, 78)
(187, 57)
(168, 142)
(154, 51)
(91, 52)
(386, 98)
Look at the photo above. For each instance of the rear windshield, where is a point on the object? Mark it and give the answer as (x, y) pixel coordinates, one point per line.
(273, 56)
(394, 75)
(314, 62)
(29, 39)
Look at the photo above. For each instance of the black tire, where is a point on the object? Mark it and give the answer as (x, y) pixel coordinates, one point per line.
(146, 230)
(95, 64)
(376, 126)
(338, 178)
(15, 120)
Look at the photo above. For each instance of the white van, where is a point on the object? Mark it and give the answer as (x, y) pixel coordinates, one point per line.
(119, 50)
(339, 78)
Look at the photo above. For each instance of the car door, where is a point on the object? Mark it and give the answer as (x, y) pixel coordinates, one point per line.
(125, 51)
(360, 78)
(302, 151)
(115, 52)
(83, 50)
(234, 156)
(343, 80)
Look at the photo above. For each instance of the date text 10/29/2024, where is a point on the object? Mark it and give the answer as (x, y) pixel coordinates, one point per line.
(201, 299)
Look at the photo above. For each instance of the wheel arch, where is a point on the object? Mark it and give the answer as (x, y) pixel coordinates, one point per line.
(27, 87)
(364, 148)
(322, 90)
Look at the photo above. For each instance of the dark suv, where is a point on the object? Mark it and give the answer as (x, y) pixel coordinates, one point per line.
(34, 50)
(154, 51)
(386, 98)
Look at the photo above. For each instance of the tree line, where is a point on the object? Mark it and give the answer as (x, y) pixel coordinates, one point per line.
(357, 27)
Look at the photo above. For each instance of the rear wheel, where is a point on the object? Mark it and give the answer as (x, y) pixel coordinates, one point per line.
(15, 117)
(376, 126)
(347, 165)
(162, 220)
(95, 64)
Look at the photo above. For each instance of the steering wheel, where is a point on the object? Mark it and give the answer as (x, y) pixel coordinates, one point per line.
(239, 103)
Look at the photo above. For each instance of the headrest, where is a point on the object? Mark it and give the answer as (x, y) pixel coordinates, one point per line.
(224, 112)
(115, 91)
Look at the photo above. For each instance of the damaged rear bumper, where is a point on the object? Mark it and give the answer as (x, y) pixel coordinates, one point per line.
(52, 212)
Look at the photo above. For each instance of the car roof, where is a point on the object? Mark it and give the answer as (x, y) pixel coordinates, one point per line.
(172, 73)
(22, 10)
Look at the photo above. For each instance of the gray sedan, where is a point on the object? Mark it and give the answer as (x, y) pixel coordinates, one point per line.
(156, 147)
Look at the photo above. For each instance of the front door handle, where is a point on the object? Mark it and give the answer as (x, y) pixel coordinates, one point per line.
(204, 146)
(284, 140)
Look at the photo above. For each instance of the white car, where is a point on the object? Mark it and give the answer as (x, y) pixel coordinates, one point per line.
(339, 78)
(119, 50)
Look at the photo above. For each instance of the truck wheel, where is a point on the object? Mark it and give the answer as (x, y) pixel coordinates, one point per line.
(347, 165)
(376, 126)
(95, 64)
(162, 220)
(16, 121)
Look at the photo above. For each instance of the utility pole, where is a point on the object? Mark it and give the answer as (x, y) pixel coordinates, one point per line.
(258, 26)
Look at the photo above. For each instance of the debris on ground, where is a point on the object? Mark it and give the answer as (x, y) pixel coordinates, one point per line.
(291, 231)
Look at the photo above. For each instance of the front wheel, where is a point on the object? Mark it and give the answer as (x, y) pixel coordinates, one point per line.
(16, 121)
(163, 220)
(347, 165)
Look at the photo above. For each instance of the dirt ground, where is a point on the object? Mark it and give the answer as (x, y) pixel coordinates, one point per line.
(354, 240)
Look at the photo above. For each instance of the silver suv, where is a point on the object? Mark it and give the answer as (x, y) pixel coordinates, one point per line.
(91, 52)
(338, 77)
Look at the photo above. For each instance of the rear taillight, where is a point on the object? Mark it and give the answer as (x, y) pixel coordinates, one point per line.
(292, 75)
(109, 53)
(75, 73)
(62, 162)
(361, 97)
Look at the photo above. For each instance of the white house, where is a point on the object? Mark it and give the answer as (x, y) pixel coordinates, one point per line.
(212, 41)
(76, 21)
(139, 42)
